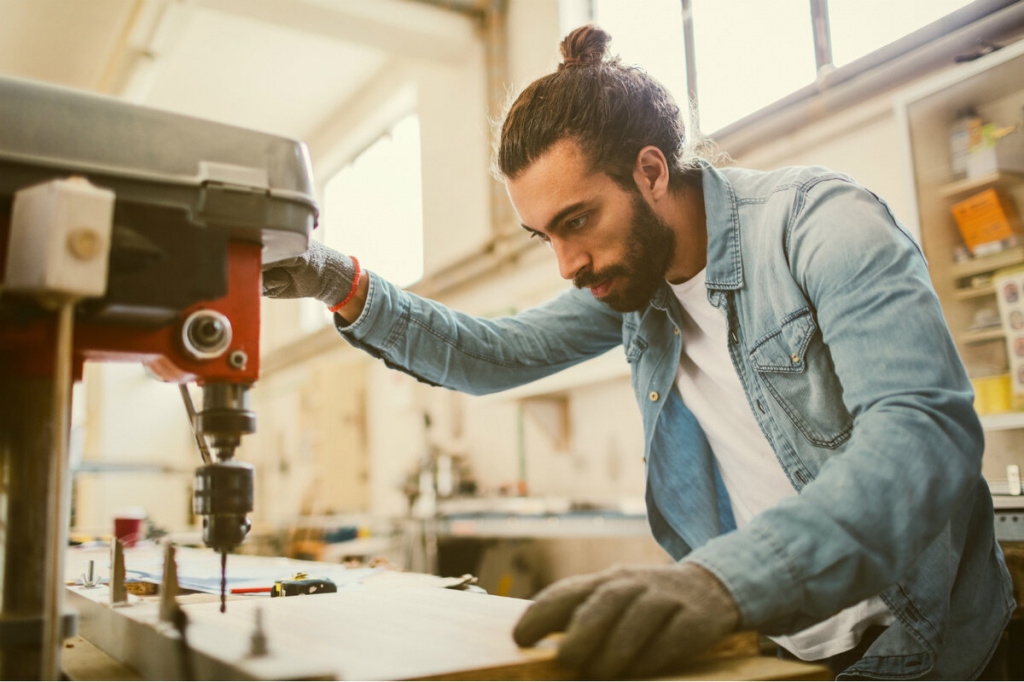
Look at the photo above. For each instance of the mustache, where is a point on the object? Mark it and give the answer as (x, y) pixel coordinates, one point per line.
(587, 279)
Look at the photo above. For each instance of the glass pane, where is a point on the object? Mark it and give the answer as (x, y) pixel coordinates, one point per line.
(862, 26)
(648, 34)
(373, 207)
(749, 53)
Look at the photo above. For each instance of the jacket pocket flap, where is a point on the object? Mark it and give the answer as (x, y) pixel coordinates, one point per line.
(784, 349)
(635, 348)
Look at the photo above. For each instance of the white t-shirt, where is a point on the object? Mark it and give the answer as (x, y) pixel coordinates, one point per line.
(749, 468)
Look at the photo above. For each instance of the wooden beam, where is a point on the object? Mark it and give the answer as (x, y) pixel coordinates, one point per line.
(398, 27)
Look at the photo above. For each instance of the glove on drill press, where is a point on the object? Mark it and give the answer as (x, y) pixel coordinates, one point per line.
(321, 273)
(631, 621)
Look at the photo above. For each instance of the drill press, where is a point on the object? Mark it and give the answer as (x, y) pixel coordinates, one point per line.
(194, 207)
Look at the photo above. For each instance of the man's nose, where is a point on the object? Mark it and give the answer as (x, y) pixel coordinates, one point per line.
(571, 259)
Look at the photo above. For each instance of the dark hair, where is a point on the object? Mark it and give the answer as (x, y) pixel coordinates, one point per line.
(612, 111)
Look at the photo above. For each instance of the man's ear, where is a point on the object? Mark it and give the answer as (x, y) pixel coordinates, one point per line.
(651, 172)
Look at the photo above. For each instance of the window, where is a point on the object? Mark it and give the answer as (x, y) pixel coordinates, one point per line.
(858, 27)
(373, 209)
(651, 38)
(748, 54)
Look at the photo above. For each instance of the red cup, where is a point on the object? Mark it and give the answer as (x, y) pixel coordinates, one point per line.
(127, 529)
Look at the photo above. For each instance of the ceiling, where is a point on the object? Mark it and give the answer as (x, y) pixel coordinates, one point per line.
(287, 67)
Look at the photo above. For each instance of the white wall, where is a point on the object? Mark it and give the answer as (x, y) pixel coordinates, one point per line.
(863, 142)
(140, 423)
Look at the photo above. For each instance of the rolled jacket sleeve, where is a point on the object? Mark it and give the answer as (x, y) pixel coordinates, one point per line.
(476, 355)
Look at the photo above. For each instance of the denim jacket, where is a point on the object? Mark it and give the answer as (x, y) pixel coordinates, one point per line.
(849, 368)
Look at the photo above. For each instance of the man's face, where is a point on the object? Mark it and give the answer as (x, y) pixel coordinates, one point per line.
(605, 239)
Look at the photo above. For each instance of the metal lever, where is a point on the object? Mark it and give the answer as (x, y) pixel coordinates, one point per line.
(190, 407)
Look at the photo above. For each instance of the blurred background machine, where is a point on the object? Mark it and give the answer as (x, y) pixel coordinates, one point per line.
(126, 234)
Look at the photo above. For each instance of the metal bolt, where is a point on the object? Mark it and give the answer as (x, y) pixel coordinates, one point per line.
(238, 359)
(207, 332)
(90, 579)
(84, 243)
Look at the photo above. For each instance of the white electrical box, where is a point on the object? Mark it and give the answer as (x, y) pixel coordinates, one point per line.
(59, 241)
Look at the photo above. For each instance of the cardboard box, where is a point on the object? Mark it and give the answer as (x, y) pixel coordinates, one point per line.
(984, 218)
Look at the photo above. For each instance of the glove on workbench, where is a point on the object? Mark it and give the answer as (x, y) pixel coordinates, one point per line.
(631, 621)
(321, 273)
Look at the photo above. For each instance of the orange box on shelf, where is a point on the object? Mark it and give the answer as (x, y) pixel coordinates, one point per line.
(984, 218)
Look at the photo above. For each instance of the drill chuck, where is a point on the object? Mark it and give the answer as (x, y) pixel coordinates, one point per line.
(223, 495)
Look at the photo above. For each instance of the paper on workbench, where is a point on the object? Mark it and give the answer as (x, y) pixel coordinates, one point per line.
(201, 572)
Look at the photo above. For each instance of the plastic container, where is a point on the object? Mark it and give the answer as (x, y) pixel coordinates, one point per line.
(960, 140)
(992, 394)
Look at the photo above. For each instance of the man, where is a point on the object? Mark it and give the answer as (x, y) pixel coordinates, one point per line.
(813, 458)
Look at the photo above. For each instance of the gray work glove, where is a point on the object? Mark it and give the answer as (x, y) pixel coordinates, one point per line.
(631, 621)
(321, 273)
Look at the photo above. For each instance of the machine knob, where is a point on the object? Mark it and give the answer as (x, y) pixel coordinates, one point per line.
(206, 334)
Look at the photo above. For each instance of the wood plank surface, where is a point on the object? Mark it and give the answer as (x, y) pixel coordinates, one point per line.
(82, 662)
(395, 626)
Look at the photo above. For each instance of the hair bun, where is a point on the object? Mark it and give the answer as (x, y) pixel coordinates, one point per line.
(585, 46)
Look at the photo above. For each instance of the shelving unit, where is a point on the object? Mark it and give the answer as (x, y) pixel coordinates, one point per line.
(962, 188)
(994, 86)
(967, 293)
(985, 264)
(983, 336)
(1003, 422)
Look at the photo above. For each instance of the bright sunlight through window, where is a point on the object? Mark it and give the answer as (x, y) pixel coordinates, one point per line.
(373, 210)
(862, 26)
(749, 53)
(651, 38)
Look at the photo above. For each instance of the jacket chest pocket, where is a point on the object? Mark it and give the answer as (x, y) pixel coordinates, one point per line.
(634, 346)
(795, 366)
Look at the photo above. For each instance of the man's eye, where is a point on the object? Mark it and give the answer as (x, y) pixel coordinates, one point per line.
(539, 235)
(577, 222)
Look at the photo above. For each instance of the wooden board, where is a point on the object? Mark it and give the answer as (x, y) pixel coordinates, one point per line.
(83, 661)
(398, 626)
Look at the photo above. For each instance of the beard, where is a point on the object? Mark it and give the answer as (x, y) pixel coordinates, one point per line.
(650, 246)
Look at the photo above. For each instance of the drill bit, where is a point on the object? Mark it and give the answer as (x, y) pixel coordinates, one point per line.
(223, 581)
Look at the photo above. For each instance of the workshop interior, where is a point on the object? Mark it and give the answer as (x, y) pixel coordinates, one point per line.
(178, 450)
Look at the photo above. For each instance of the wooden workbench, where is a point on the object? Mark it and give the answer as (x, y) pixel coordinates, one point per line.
(394, 626)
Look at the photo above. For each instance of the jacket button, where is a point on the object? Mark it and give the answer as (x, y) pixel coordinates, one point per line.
(676, 331)
(733, 337)
(654, 396)
(796, 358)
(760, 406)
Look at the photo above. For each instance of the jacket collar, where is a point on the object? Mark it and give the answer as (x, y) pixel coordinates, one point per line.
(725, 262)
